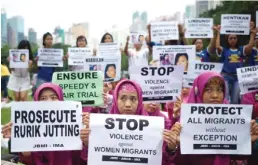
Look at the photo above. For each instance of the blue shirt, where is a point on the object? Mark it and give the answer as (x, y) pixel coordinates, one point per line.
(45, 73)
(203, 56)
(254, 58)
(232, 59)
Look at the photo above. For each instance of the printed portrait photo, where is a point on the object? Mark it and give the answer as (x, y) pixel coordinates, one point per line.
(110, 71)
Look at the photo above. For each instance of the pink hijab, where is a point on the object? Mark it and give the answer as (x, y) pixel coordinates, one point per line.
(249, 98)
(195, 96)
(58, 90)
(140, 110)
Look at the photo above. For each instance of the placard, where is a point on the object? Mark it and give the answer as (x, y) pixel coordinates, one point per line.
(199, 28)
(86, 87)
(197, 69)
(248, 79)
(175, 55)
(109, 49)
(49, 57)
(159, 84)
(19, 58)
(238, 24)
(109, 65)
(164, 30)
(127, 140)
(77, 55)
(46, 126)
(215, 129)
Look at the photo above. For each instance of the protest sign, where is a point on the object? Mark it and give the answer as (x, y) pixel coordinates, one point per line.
(77, 55)
(215, 129)
(238, 24)
(165, 30)
(46, 126)
(199, 28)
(159, 84)
(19, 58)
(109, 65)
(109, 49)
(175, 55)
(248, 79)
(86, 87)
(137, 37)
(127, 139)
(49, 57)
(198, 68)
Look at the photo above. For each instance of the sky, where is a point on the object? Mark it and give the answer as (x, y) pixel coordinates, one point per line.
(45, 15)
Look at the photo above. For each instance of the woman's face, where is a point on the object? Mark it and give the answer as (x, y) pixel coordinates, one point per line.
(127, 102)
(151, 107)
(111, 72)
(199, 45)
(108, 39)
(48, 95)
(166, 57)
(48, 41)
(182, 60)
(185, 91)
(232, 40)
(214, 91)
(82, 43)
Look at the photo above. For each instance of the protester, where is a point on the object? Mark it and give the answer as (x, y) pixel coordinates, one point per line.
(4, 81)
(253, 60)
(232, 57)
(208, 88)
(51, 92)
(20, 77)
(107, 38)
(128, 101)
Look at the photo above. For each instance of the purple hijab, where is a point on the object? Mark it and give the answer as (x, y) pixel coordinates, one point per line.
(53, 157)
(195, 96)
(140, 110)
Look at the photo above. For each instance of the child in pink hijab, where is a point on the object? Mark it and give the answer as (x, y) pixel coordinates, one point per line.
(51, 92)
(208, 88)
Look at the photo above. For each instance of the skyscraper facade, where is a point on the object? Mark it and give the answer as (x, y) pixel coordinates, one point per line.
(32, 36)
(201, 7)
(190, 11)
(3, 28)
(17, 25)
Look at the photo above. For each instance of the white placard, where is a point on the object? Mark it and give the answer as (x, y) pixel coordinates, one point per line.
(238, 24)
(49, 57)
(109, 65)
(165, 30)
(77, 55)
(197, 69)
(159, 84)
(46, 126)
(248, 79)
(199, 28)
(137, 37)
(215, 129)
(127, 140)
(109, 49)
(19, 58)
(175, 55)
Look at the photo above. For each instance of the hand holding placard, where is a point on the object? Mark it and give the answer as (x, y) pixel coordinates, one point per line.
(170, 139)
(85, 132)
(254, 131)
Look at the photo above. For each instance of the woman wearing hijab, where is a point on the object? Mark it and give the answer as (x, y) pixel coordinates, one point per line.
(208, 88)
(128, 101)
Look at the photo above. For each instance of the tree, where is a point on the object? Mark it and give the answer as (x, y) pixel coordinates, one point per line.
(65, 48)
(4, 55)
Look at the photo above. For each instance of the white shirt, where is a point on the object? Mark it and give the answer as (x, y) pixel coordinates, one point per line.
(136, 58)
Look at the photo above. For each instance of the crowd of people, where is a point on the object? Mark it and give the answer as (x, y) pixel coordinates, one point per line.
(125, 96)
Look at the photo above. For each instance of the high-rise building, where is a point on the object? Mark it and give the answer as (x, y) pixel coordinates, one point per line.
(60, 34)
(201, 7)
(144, 19)
(11, 37)
(3, 28)
(213, 4)
(119, 34)
(32, 36)
(79, 29)
(139, 22)
(136, 15)
(17, 25)
(190, 11)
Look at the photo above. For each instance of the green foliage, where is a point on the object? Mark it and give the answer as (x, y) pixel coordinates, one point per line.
(124, 62)
(65, 48)
(4, 55)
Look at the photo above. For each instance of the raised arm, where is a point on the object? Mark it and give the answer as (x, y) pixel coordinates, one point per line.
(218, 47)
(249, 47)
(212, 44)
(182, 38)
(126, 46)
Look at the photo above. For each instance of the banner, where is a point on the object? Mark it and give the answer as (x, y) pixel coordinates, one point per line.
(215, 129)
(127, 140)
(199, 28)
(46, 126)
(175, 55)
(77, 55)
(110, 66)
(49, 57)
(159, 84)
(248, 79)
(19, 58)
(197, 69)
(86, 87)
(108, 49)
(238, 24)
(165, 30)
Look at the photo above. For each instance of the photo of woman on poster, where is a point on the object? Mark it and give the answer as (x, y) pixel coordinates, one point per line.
(110, 71)
(182, 59)
(23, 57)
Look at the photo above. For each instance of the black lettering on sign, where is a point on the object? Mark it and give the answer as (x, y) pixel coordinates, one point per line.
(156, 71)
(131, 124)
(216, 110)
(77, 75)
(204, 66)
(249, 69)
